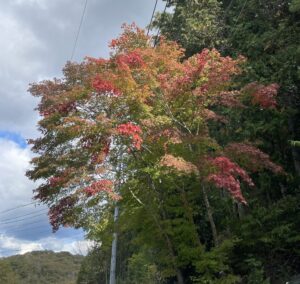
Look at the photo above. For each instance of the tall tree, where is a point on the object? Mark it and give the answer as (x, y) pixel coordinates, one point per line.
(154, 113)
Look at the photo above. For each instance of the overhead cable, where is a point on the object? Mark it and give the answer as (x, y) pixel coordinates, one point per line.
(78, 31)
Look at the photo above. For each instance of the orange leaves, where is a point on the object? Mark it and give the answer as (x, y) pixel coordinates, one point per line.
(179, 164)
(97, 61)
(202, 73)
(131, 38)
(211, 115)
(99, 186)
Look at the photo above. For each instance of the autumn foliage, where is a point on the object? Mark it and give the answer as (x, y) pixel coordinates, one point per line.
(133, 131)
(145, 99)
(227, 176)
(263, 96)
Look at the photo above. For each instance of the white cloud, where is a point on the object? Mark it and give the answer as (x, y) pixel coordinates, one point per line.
(15, 188)
(20, 41)
(17, 67)
(40, 3)
(14, 246)
(11, 245)
(24, 232)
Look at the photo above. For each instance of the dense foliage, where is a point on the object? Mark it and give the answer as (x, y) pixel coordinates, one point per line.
(43, 267)
(192, 144)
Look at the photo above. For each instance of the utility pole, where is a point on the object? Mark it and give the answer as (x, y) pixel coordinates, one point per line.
(112, 275)
(113, 260)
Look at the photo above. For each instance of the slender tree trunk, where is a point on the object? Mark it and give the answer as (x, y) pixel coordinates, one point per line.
(210, 217)
(112, 275)
(241, 210)
(282, 190)
(295, 151)
(296, 158)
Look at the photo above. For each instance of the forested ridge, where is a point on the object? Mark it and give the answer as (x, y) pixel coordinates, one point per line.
(192, 135)
(40, 267)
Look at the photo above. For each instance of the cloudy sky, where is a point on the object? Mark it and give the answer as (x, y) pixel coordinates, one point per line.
(37, 38)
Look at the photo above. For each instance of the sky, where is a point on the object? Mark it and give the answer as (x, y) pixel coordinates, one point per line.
(37, 38)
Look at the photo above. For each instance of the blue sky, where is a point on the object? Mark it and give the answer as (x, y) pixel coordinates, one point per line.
(38, 37)
(13, 136)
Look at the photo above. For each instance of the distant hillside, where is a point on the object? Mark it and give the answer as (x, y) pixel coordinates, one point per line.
(41, 267)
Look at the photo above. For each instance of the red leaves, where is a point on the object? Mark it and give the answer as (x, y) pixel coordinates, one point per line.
(230, 99)
(103, 185)
(58, 214)
(132, 59)
(63, 108)
(133, 131)
(56, 181)
(252, 158)
(105, 87)
(226, 176)
(60, 179)
(264, 96)
(99, 186)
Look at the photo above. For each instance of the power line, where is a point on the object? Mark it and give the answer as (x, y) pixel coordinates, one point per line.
(12, 230)
(29, 214)
(158, 30)
(78, 31)
(238, 17)
(14, 221)
(24, 229)
(228, 7)
(153, 12)
(17, 207)
(12, 226)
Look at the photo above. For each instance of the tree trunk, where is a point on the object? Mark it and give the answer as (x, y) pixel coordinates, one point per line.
(295, 151)
(296, 159)
(112, 275)
(241, 211)
(210, 217)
